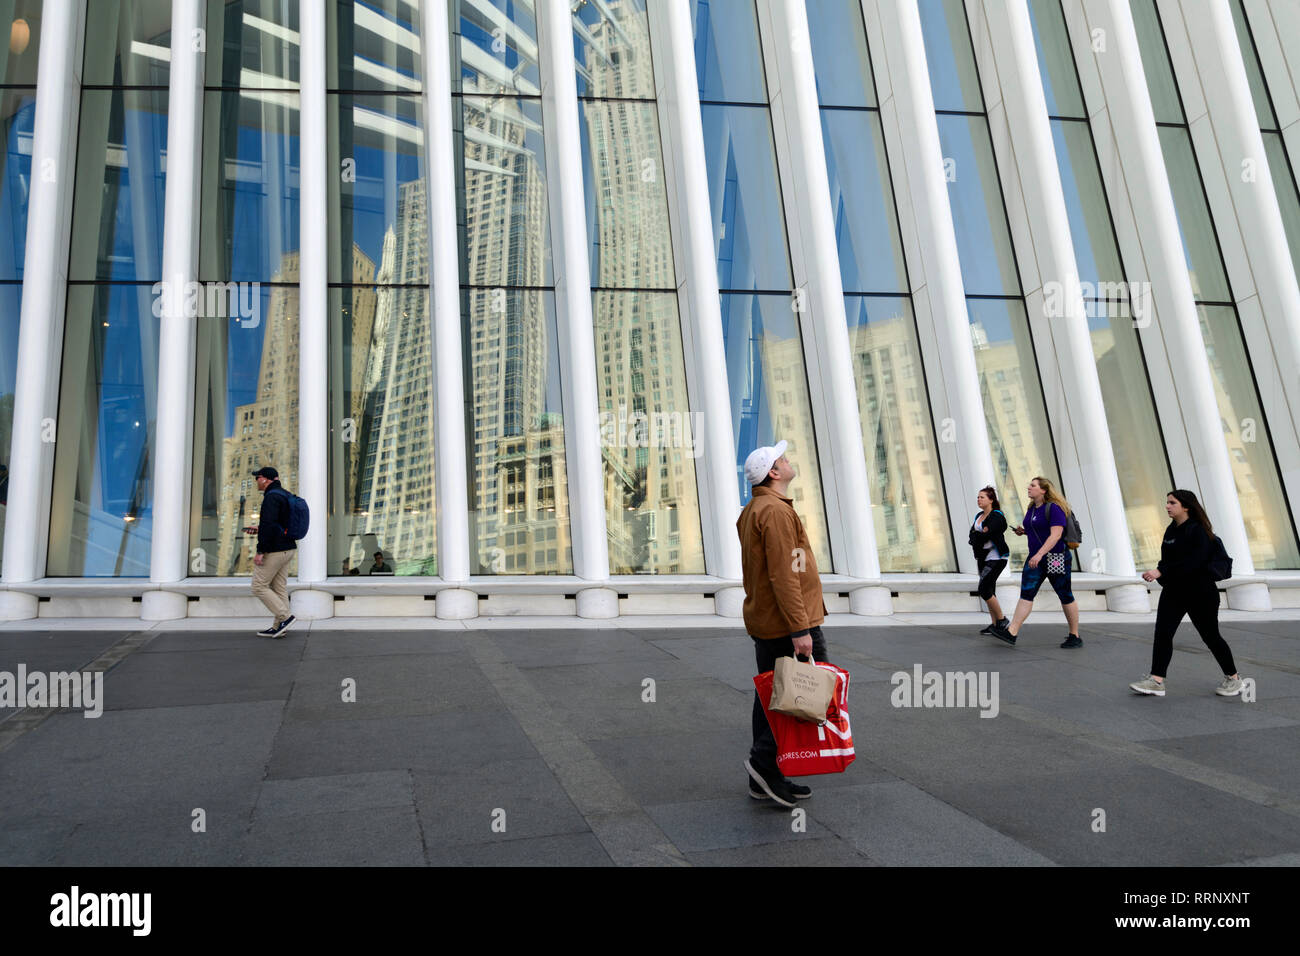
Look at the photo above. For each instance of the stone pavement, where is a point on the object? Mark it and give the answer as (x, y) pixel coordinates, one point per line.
(532, 743)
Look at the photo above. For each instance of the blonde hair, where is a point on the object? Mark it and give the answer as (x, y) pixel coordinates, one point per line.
(1051, 495)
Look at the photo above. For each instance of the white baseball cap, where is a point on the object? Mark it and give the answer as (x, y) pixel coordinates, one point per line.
(760, 461)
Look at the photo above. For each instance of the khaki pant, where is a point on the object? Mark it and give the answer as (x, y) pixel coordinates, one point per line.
(271, 583)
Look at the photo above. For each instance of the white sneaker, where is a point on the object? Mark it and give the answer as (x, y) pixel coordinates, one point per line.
(1149, 685)
(1230, 687)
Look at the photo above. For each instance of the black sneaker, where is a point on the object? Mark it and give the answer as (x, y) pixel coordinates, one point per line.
(271, 631)
(1074, 640)
(799, 790)
(284, 626)
(777, 788)
(1002, 623)
(1002, 634)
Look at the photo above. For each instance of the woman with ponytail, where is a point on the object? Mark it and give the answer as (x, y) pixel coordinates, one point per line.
(991, 552)
(1187, 587)
(1045, 524)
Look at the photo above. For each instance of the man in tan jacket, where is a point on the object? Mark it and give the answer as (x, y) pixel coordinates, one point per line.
(783, 601)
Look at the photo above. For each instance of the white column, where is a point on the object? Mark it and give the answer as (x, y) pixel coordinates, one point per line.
(313, 305)
(1056, 306)
(444, 298)
(573, 306)
(1239, 182)
(1175, 320)
(938, 294)
(697, 291)
(1276, 29)
(792, 89)
(45, 294)
(173, 432)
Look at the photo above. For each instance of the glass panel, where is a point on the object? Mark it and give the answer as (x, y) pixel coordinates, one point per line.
(11, 307)
(728, 58)
(382, 194)
(1200, 246)
(1254, 73)
(1014, 408)
(518, 483)
(745, 198)
(1250, 449)
(627, 207)
(17, 115)
(1134, 426)
(1288, 196)
(382, 449)
(494, 47)
(988, 265)
(20, 56)
(1085, 204)
(769, 401)
(376, 45)
(908, 508)
(839, 49)
(862, 201)
(101, 504)
(950, 56)
(650, 441)
(252, 44)
(128, 43)
(249, 221)
(506, 238)
(246, 417)
(1056, 60)
(1161, 85)
(611, 48)
(117, 213)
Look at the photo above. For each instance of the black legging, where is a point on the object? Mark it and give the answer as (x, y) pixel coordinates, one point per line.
(1202, 604)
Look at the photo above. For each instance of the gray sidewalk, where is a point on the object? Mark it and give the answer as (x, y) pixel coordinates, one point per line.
(536, 746)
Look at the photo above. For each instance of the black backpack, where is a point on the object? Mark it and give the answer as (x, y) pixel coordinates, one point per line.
(1220, 561)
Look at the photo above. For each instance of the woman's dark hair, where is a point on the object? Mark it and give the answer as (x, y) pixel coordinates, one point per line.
(1188, 500)
(993, 496)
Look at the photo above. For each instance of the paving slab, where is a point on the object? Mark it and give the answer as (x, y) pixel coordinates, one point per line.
(335, 794)
(734, 821)
(1270, 757)
(362, 642)
(831, 851)
(54, 651)
(386, 836)
(575, 849)
(189, 678)
(396, 685)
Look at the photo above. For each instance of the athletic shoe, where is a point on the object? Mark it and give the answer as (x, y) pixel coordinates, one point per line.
(777, 788)
(1230, 687)
(1004, 635)
(1072, 640)
(271, 631)
(1002, 623)
(799, 790)
(284, 626)
(1149, 685)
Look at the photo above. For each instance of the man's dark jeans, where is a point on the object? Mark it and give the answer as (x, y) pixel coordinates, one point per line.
(762, 755)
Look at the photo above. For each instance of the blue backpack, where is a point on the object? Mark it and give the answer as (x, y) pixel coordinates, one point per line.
(299, 516)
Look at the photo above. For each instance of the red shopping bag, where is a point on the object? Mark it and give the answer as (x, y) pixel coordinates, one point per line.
(804, 749)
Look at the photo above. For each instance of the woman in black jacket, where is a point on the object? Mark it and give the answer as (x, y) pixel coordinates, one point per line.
(990, 547)
(1187, 588)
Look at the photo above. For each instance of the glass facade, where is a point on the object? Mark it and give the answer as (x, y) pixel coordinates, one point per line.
(1015, 411)
(1270, 527)
(510, 159)
(1134, 426)
(766, 371)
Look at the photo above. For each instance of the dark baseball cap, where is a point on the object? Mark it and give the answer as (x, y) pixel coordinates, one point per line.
(267, 472)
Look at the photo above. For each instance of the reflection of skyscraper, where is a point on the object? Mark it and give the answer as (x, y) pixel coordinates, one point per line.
(394, 497)
(518, 446)
(652, 512)
(265, 431)
(908, 512)
(1006, 412)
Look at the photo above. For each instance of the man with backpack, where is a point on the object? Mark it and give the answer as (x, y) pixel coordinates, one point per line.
(275, 548)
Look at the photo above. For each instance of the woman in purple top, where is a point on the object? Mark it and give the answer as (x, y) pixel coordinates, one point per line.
(1048, 558)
